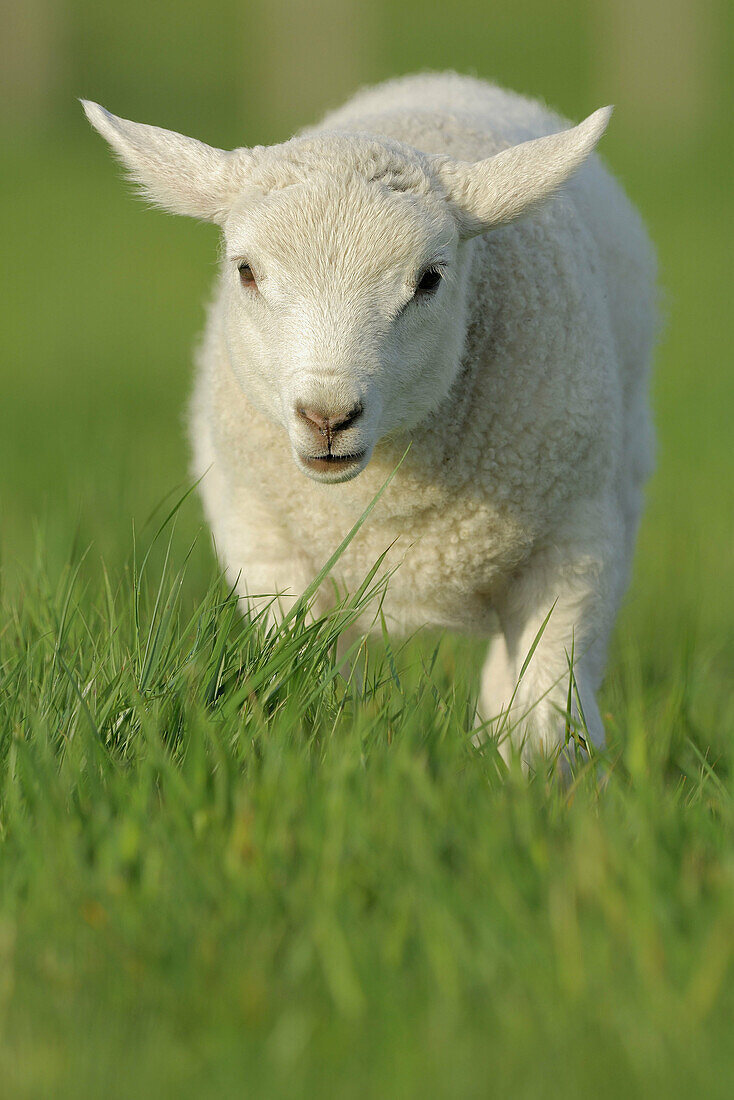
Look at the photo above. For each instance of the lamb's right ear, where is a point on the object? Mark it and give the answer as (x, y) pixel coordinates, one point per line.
(495, 191)
(175, 172)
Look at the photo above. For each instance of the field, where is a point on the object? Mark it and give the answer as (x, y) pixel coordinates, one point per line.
(223, 872)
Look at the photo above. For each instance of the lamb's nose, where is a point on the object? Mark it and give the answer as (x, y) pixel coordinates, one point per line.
(331, 421)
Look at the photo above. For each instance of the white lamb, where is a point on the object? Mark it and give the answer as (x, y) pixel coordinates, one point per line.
(441, 263)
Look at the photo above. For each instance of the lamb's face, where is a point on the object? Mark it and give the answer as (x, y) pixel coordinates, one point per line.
(344, 317)
(344, 283)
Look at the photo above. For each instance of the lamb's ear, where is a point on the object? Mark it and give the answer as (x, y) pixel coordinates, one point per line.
(175, 172)
(496, 191)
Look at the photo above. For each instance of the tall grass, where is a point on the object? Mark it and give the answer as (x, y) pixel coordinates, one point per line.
(226, 869)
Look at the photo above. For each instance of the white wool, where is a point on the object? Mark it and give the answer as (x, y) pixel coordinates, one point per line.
(520, 383)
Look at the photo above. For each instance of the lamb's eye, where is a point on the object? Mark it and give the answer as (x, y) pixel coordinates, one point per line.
(429, 281)
(246, 276)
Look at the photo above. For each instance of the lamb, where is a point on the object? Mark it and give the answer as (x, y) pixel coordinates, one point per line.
(443, 263)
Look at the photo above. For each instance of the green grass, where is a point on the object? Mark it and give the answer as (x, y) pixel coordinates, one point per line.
(223, 869)
(225, 873)
(221, 865)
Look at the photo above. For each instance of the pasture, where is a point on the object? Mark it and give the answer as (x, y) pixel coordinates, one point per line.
(225, 873)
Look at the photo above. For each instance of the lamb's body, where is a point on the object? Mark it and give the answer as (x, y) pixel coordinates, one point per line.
(525, 487)
(521, 490)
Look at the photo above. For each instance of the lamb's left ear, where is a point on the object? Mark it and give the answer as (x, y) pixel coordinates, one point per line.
(175, 172)
(496, 191)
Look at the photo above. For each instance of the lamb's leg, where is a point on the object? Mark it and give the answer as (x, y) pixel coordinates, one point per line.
(262, 567)
(575, 578)
(495, 692)
(267, 590)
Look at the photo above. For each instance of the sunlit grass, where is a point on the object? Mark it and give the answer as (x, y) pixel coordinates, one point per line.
(219, 853)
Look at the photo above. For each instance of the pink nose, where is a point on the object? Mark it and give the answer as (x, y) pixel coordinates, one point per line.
(329, 422)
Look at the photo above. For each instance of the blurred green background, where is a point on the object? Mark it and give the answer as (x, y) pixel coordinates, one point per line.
(102, 300)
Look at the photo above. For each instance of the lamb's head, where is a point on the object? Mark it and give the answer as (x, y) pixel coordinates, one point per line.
(343, 282)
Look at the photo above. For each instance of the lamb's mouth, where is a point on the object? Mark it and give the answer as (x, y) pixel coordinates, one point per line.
(339, 467)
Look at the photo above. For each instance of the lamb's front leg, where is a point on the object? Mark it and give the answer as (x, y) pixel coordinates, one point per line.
(260, 560)
(575, 578)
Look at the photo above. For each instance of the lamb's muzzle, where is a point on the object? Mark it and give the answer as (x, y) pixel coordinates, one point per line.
(330, 441)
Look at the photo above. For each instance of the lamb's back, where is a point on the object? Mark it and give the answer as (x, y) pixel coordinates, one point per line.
(445, 113)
